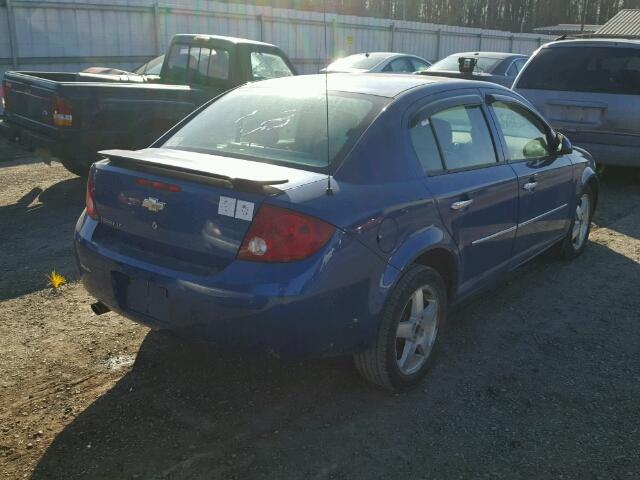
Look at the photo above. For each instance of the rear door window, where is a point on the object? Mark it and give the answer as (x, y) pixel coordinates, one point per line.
(613, 70)
(399, 65)
(268, 65)
(463, 137)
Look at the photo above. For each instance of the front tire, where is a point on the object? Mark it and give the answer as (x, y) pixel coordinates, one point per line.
(413, 317)
(577, 237)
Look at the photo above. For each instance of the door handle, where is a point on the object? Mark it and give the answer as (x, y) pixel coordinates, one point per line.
(461, 204)
(530, 186)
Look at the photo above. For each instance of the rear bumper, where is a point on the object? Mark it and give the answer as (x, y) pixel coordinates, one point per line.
(613, 155)
(298, 309)
(36, 141)
(607, 149)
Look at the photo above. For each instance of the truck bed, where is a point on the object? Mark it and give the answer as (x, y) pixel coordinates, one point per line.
(106, 111)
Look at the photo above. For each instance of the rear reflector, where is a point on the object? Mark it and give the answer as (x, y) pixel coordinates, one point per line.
(158, 185)
(62, 115)
(280, 235)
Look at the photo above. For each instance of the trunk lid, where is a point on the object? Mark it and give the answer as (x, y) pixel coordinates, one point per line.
(185, 210)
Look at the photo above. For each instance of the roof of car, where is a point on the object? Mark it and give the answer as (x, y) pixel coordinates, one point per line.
(594, 42)
(379, 84)
(220, 38)
(488, 54)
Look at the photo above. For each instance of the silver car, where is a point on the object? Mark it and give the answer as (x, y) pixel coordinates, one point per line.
(378, 62)
(590, 90)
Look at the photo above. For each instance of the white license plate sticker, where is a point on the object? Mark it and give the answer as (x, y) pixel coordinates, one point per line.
(244, 210)
(227, 206)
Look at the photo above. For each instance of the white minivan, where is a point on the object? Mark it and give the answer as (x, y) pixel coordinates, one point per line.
(589, 89)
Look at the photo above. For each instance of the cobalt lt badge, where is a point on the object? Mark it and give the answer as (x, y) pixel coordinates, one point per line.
(153, 204)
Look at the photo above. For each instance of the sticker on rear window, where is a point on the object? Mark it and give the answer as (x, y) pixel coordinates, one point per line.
(244, 210)
(227, 206)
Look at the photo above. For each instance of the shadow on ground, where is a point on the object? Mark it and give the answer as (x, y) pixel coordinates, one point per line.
(37, 233)
(619, 196)
(538, 380)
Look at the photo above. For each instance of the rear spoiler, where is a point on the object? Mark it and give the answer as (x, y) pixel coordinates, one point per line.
(129, 159)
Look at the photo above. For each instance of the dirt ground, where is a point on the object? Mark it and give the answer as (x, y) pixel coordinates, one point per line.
(538, 379)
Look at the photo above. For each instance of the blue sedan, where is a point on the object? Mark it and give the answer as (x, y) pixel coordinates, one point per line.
(345, 221)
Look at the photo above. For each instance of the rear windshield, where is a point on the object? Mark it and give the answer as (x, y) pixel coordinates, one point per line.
(450, 64)
(195, 64)
(584, 69)
(364, 61)
(280, 127)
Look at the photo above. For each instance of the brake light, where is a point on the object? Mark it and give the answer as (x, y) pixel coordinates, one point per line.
(281, 235)
(62, 115)
(90, 197)
(158, 185)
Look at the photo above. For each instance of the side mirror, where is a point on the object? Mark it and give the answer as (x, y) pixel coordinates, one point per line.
(564, 145)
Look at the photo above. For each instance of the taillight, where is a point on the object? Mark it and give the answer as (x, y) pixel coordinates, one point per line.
(90, 197)
(62, 115)
(4, 91)
(281, 235)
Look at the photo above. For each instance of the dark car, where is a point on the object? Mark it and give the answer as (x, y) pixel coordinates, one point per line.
(590, 90)
(249, 224)
(73, 115)
(495, 67)
(378, 62)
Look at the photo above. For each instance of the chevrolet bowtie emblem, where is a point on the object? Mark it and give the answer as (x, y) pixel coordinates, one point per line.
(153, 204)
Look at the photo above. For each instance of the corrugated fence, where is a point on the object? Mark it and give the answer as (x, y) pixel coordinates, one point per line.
(70, 35)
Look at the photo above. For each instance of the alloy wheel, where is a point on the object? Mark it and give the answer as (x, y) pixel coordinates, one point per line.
(581, 222)
(417, 330)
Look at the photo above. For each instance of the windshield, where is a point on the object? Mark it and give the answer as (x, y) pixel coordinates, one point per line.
(280, 127)
(450, 64)
(584, 69)
(152, 67)
(364, 61)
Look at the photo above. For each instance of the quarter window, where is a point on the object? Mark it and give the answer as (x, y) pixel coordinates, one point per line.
(419, 65)
(424, 143)
(463, 137)
(523, 134)
(268, 65)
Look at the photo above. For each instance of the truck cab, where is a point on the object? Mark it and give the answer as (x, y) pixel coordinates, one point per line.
(71, 116)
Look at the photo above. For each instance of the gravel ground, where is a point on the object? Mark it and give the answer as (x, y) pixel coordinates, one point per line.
(538, 379)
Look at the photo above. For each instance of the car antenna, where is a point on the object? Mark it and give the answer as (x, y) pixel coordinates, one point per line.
(329, 190)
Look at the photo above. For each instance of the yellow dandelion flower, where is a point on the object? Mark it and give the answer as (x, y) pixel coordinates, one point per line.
(56, 280)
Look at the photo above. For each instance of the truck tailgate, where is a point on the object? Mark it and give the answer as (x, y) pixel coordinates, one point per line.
(29, 101)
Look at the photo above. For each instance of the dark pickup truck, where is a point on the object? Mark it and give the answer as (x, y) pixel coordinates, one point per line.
(74, 115)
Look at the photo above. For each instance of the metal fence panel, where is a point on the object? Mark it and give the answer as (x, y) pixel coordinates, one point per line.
(73, 34)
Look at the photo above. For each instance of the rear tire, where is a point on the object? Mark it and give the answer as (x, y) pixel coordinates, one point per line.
(577, 237)
(407, 340)
(73, 167)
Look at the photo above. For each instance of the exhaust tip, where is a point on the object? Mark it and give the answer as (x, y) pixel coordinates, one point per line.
(99, 308)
